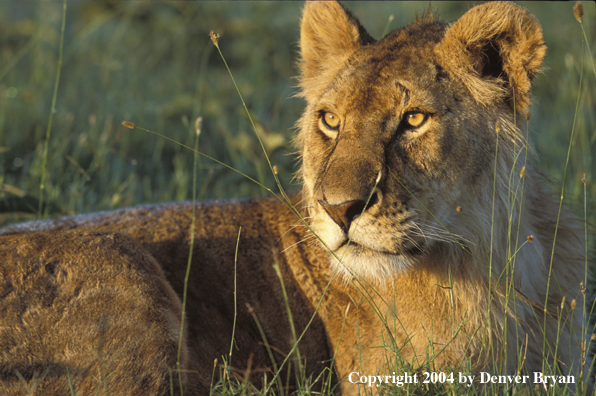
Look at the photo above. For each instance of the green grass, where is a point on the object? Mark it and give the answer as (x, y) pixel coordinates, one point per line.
(154, 64)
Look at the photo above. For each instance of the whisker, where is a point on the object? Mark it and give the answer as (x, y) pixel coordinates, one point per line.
(434, 232)
(307, 239)
(297, 224)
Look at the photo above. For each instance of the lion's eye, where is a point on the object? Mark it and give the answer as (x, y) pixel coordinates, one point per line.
(329, 124)
(415, 119)
(331, 120)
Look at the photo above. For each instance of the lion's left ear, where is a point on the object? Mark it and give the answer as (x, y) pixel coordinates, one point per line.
(495, 49)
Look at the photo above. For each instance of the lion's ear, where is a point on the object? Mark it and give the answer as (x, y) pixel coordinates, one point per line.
(495, 49)
(329, 34)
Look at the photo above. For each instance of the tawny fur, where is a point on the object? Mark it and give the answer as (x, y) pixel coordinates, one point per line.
(90, 305)
(474, 294)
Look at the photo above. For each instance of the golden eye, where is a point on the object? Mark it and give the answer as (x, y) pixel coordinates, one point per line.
(331, 120)
(415, 119)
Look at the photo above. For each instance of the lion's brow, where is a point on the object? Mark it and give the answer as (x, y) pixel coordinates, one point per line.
(406, 93)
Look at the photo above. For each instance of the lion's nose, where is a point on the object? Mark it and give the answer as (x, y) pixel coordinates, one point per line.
(344, 213)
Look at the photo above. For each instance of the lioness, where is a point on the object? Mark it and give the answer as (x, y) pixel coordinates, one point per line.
(421, 238)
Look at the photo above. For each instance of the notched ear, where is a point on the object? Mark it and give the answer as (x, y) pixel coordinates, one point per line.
(495, 49)
(329, 34)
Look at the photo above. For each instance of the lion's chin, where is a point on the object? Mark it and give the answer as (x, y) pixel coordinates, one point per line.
(355, 260)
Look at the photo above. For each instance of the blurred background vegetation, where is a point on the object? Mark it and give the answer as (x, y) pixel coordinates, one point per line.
(152, 63)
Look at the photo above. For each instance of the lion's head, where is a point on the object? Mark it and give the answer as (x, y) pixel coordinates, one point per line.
(403, 139)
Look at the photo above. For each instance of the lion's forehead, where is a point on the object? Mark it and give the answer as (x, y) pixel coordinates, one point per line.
(406, 53)
(386, 76)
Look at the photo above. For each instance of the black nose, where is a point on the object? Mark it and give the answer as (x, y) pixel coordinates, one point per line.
(344, 213)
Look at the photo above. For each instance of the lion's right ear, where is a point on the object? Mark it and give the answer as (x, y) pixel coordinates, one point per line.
(329, 34)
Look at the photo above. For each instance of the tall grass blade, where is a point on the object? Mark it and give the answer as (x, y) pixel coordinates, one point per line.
(235, 297)
(198, 124)
(52, 111)
(552, 255)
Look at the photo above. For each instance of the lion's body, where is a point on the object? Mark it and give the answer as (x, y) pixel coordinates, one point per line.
(386, 281)
(164, 233)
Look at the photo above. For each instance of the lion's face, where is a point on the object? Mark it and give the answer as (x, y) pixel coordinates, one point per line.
(394, 148)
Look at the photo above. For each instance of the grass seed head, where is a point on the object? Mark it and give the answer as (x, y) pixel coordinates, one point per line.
(498, 126)
(128, 124)
(578, 11)
(573, 304)
(275, 169)
(214, 37)
(530, 238)
(458, 209)
(527, 116)
(522, 172)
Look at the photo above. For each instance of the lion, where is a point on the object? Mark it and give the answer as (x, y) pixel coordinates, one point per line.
(423, 238)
